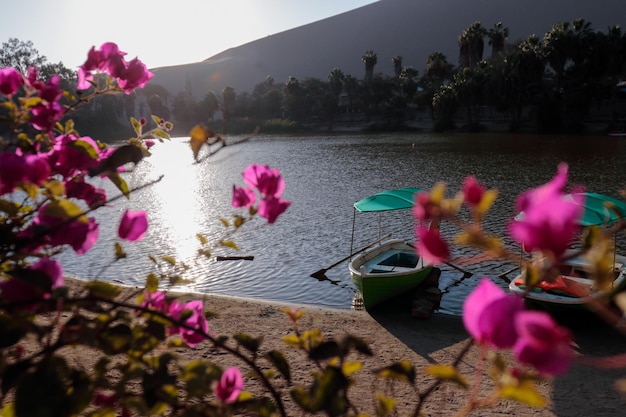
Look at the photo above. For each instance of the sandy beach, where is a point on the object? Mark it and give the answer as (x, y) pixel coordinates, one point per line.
(392, 336)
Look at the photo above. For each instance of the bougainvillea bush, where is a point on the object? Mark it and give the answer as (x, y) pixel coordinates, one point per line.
(46, 206)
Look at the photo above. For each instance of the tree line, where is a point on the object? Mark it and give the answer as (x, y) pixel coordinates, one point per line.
(548, 82)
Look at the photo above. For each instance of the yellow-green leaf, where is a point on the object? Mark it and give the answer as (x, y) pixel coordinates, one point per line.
(119, 183)
(225, 222)
(136, 126)
(9, 207)
(152, 283)
(384, 405)
(199, 135)
(54, 187)
(402, 370)
(292, 340)
(85, 147)
(203, 240)
(448, 373)
(205, 253)
(103, 289)
(8, 410)
(229, 244)
(31, 189)
(65, 209)
(525, 393)
(161, 134)
(119, 251)
(350, 367)
(169, 259)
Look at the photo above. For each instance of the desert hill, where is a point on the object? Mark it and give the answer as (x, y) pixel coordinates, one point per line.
(412, 29)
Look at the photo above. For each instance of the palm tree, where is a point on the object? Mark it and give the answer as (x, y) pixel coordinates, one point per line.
(370, 60)
(497, 37)
(397, 65)
(471, 45)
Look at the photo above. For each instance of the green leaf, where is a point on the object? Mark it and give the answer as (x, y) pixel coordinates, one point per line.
(161, 134)
(54, 187)
(136, 126)
(119, 183)
(119, 251)
(8, 410)
(65, 209)
(525, 393)
(103, 289)
(85, 147)
(325, 350)
(248, 342)
(280, 363)
(384, 405)
(447, 373)
(152, 283)
(229, 244)
(169, 259)
(203, 240)
(116, 339)
(9, 207)
(401, 370)
(359, 344)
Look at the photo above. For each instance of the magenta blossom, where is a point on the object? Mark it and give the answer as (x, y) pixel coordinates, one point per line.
(26, 286)
(243, 197)
(57, 229)
(489, 313)
(473, 191)
(133, 225)
(542, 343)
(431, 246)
(268, 181)
(155, 300)
(109, 59)
(549, 219)
(16, 169)
(229, 386)
(77, 188)
(271, 207)
(423, 206)
(192, 313)
(10, 81)
(72, 155)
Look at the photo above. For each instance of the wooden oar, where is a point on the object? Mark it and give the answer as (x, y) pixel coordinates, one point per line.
(234, 258)
(321, 273)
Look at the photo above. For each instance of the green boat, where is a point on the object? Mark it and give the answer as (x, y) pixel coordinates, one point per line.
(392, 267)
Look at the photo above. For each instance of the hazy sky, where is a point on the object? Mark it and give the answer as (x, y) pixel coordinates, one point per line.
(159, 32)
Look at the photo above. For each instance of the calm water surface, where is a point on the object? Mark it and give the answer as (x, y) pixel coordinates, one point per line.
(324, 176)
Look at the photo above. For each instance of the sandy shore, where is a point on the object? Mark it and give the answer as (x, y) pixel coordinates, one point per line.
(583, 391)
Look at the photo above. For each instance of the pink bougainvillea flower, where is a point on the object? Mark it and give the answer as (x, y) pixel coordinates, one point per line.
(26, 286)
(193, 313)
(80, 190)
(488, 314)
(81, 234)
(431, 246)
(13, 169)
(71, 155)
(52, 269)
(473, 191)
(542, 343)
(271, 207)
(10, 81)
(268, 181)
(243, 197)
(423, 206)
(550, 219)
(109, 59)
(133, 225)
(229, 386)
(155, 300)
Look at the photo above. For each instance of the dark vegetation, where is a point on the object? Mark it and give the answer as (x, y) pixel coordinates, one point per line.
(566, 81)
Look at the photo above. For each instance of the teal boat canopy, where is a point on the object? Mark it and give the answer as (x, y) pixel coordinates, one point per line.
(602, 210)
(599, 209)
(398, 199)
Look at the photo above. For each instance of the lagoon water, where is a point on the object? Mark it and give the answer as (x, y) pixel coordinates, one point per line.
(324, 176)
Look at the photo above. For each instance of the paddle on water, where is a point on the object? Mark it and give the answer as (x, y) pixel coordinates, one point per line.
(320, 274)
